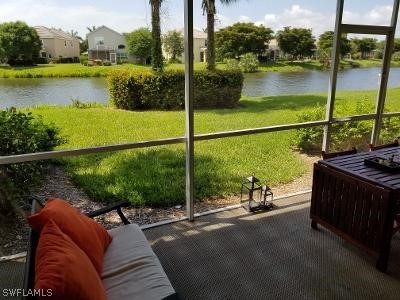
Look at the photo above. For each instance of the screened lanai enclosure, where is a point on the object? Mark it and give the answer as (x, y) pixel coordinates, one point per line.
(348, 249)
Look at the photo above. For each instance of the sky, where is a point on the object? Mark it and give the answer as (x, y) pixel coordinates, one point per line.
(128, 15)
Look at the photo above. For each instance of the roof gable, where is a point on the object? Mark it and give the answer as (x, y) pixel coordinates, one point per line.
(52, 33)
(103, 27)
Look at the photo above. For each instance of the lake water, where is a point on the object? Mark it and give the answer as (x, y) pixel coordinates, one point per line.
(261, 84)
(32, 91)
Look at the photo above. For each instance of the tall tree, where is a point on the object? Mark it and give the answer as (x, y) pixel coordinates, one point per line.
(156, 50)
(241, 38)
(325, 42)
(74, 33)
(139, 43)
(92, 28)
(83, 43)
(298, 42)
(173, 44)
(19, 43)
(208, 7)
(364, 45)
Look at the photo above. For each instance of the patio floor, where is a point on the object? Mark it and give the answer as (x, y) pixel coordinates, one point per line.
(269, 255)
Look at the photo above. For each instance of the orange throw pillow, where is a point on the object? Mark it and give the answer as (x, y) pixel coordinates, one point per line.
(63, 271)
(88, 235)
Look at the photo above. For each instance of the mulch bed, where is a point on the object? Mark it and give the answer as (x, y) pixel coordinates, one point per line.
(14, 233)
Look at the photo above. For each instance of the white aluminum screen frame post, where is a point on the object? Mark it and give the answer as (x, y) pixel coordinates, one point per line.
(333, 78)
(189, 109)
(387, 57)
(340, 28)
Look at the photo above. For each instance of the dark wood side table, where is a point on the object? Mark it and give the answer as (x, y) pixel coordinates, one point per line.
(357, 202)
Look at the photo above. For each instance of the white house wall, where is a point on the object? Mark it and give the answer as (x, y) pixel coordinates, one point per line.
(198, 46)
(111, 39)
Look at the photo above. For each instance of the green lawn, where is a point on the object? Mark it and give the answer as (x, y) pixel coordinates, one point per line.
(286, 66)
(74, 70)
(368, 63)
(59, 70)
(155, 176)
(78, 70)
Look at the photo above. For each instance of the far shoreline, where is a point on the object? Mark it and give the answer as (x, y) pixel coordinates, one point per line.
(78, 70)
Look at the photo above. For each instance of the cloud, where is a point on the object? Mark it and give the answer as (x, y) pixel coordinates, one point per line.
(244, 19)
(379, 15)
(56, 13)
(78, 16)
(297, 16)
(223, 21)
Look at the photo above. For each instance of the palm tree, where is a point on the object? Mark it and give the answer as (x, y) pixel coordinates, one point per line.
(208, 7)
(156, 50)
(91, 29)
(74, 33)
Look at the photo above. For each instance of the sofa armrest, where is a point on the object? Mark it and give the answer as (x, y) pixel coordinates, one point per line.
(116, 206)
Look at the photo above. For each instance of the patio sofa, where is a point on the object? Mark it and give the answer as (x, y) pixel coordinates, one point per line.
(130, 269)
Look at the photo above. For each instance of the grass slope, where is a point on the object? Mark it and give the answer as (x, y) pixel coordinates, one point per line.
(73, 70)
(156, 176)
(78, 70)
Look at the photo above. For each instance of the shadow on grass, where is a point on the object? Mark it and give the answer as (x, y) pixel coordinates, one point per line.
(288, 102)
(153, 177)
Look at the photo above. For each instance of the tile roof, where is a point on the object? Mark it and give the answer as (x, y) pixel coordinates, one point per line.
(48, 33)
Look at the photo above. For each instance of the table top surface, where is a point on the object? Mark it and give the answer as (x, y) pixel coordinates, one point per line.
(354, 165)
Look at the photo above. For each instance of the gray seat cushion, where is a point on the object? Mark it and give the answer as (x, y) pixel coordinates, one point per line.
(131, 270)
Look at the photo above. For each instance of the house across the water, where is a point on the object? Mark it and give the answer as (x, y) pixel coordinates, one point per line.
(199, 46)
(57, 44)
(107, 44)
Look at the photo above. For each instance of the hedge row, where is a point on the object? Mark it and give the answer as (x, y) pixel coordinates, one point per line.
(22, 133)
(344, 135)
(149, 90)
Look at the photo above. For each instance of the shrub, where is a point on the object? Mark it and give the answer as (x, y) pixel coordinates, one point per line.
(65, 60)
(232, 64)
(356, 55)
(41, 60)
(150, 90)
(83, 59)
(22, 133)
(174, 61)
(343, 135)
(249, 63)
(121, 61)
(396, 56)
(378, 54)
(106, 63)
(76, 103)
(21, 62)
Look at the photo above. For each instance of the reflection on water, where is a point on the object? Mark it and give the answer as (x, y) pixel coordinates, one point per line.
(28, 92)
